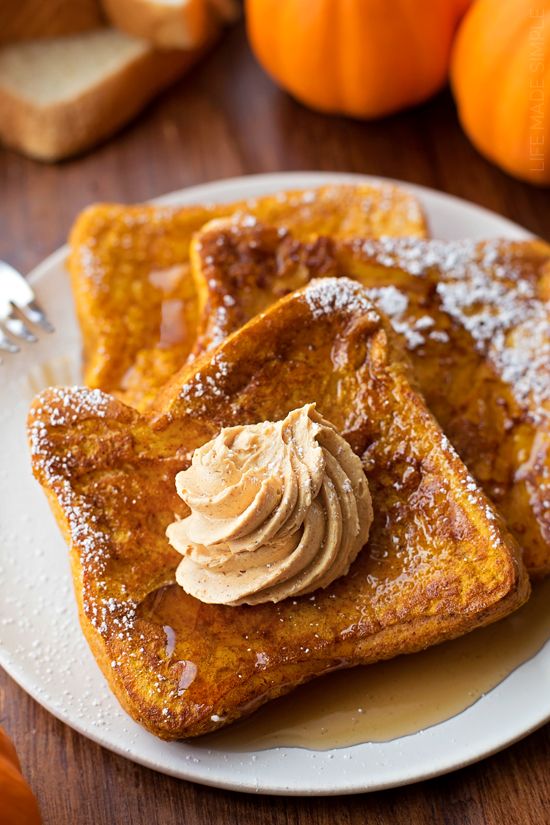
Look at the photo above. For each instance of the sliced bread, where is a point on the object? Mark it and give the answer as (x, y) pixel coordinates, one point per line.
(27, 19)
(61, 96)
(183, 24)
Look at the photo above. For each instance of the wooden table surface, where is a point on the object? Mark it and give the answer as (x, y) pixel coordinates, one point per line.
(226, 119)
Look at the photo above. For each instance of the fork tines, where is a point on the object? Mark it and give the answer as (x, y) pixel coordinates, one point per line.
(17, 306)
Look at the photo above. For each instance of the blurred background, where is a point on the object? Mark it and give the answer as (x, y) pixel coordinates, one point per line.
(219, 114)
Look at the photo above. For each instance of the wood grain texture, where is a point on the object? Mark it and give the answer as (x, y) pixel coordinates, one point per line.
(226, 119)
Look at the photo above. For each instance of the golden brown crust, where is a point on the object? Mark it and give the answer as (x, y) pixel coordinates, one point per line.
(439, 561)
(137, 329)
(475, 322)
(167, 26)
(114, 250)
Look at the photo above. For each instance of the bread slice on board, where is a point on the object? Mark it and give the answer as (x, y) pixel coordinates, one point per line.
(61, 96)
(183, 24)
(27, 19)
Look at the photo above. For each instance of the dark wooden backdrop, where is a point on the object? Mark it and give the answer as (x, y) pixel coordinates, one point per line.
(226, 119)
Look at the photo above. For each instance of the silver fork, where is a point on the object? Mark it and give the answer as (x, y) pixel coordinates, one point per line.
(17, 305)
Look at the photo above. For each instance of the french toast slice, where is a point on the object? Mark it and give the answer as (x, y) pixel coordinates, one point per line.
(475, 318)
(134, 294)
(439, 561)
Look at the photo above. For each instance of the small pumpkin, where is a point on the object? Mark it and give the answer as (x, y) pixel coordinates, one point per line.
(18, 805)
(501, 82)
(364, 58)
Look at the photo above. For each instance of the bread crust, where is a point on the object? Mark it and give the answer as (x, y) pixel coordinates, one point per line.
(502, 441)
(496, 417)
(186, 26)
(439, 561)
(127, 356)
(69, 127)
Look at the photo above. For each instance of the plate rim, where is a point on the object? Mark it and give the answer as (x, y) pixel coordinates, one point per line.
(217, 190)
(227, 184)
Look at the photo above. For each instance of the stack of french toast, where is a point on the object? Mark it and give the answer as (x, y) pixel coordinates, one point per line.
(431, 359)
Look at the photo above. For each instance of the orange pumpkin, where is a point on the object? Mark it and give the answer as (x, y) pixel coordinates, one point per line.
(364, 58)
(501, 82)
(17, 803)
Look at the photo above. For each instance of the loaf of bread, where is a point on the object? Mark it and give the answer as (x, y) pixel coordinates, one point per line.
(61, 96)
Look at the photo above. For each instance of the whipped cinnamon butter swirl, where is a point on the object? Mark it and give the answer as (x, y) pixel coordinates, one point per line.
(278, 509)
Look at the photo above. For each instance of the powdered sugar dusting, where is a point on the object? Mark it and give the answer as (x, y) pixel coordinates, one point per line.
(395, 304)
(207, 385)
(66, 405)
(378, 202)
(491, 292)
(325, 296)
(61, 407)
(219, 324)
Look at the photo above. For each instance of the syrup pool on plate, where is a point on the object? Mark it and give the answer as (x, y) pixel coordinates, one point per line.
(392, 699)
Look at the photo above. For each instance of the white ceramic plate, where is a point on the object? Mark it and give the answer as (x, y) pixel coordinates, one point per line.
(41, 645)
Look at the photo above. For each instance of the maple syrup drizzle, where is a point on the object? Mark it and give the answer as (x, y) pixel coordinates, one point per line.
(399, 697)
